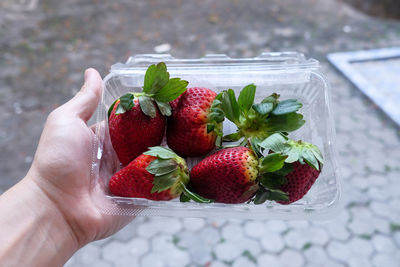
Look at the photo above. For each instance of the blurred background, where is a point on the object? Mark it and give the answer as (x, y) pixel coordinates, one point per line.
(45, 46)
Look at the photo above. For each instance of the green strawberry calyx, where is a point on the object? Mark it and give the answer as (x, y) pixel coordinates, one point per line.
(158, 88)
(215, 118)
(281, 152)
(262, 119)
(170, 173)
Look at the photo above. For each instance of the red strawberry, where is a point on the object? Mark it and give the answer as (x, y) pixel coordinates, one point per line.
(195, 123)
(299, 181)
(156, 175)
(137, 120)
(133, 132)
(227, 176)
(302, 166)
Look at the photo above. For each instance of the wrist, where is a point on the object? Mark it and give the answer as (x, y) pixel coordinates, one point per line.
(34, 218)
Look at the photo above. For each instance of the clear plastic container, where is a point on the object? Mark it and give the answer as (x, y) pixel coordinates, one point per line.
(289, 74)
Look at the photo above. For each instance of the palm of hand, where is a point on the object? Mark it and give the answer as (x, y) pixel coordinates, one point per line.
(62, 168)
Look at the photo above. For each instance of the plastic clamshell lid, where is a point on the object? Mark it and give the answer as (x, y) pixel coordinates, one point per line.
(289, 74)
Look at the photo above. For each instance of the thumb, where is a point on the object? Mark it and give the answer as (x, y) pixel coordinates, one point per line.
(84, 103)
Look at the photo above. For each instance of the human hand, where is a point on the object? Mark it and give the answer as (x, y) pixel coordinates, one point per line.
(62, 164)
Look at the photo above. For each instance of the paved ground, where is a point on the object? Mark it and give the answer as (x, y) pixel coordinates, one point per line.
(46, 45)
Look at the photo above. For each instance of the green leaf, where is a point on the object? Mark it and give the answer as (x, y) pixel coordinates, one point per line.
(275, 142)
(164, 182)
(111, 108)
(246, 98)
(263, 108)
(119, 109)
(270, 194)
(310, 158)
(160, 167)
(287, 106)
(278, 195)
(164, 108)
(184, 198)
(216, 115)
(125, 103)
(161, 152)
(273, 180)
(172, 90)
(147, 106)
(294, 153)
(193, 196)
(210, 127)
(254, 143)
(317, 153)
(230, 106)
(233, 137)
(156, 77)
(285, 123)
(285, 170)
(272, 162)
(271, 99)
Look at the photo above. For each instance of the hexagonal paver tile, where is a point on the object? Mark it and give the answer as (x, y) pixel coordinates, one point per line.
(268, 260)
(138, 246)
(254, 229)
(276, 226)
(242, 261)
(187, 239)
(200, 254)
(168, 258)
(152, 259)
(378, 193)
(296, 239)
(88, 254)
(328, 263)
(232, 232)
(381, 225)
(316, 255)
(162, 243)
(272, 242)
(359, 262)
(396, 237)
(218, 264)
(227, 251)
(249, 246)
(193, 224)
(378, 179)
(210, 235)
(147, 230)
(380, 260)
(361, 227)
(176, 258)
(118, 253)
(298, 224)
(317, 235)
(360, 247)
(384, 244)
(337, 230)
(381, 209)
(291, 258)
(339, 251)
